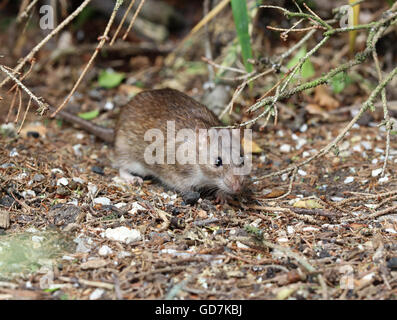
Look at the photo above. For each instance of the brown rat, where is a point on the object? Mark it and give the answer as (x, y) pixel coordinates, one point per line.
(152, 113)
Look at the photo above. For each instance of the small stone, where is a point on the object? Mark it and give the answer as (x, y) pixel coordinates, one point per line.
(38, 177)
(348, 180)
(136, 207)
(103, 201)
(62, 182)
(123, 234)
(77, 150)
(376, 172)
(92, 189)
(120, 205)
(105, 250)
(28, 194)
(7, 165)
(57, 170)
(392, 263)
(285, 148)
(78, 180)
(98, 170)
(63, 191)
(64, 214)
(97, 294)
(14, 153)
(383, 179)
(303, 128)
(302, 172)
(7, 201)
(367, 145)
(109, 105)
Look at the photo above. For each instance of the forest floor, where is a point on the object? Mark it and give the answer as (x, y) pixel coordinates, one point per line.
(64, 183)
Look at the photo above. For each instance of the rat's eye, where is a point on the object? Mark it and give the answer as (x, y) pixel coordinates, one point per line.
(218, 162)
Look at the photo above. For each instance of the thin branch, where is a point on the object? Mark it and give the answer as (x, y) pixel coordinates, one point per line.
(45, 40)
(102, 41)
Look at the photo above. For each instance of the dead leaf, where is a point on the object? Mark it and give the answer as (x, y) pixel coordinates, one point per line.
(93, 264)
(324, 99)
(308, 204)
(315, 109)
(254, 146)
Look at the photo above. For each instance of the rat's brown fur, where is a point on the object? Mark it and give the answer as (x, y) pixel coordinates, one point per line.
(151, 110)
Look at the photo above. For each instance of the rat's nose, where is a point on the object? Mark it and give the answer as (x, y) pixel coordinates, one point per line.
(236, 187)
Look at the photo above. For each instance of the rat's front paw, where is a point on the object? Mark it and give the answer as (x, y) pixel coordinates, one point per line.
(223, 198)
(129, 178)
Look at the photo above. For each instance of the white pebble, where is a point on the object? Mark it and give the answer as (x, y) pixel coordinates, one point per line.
(300, 143)
(109, 105)
(28, 194)
(241, 245)
(290, 229)
(123, 234)
(120, 205)
(367, 145)
(374, 161)
(79, 136)
(63, 182)
(357, 148)
(57, 170)
(285, 148)
(77, 150)
(21, 176)
(102, 200)
(303, 128)
(74, 202)
(309, 229)
(78, 180)
(302, 173)
(349, 180)
(14, 153)
(92, 189)
(97, 294)
(136, 207)
(305, 154)
(376, 172)
(384, 179)
(105, 250)
(379, 150)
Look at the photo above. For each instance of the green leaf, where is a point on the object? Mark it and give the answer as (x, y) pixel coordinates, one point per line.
(340, 81)
(240, 16)
(110, 79)
(307, 69)
(89, 115)
(51, 290)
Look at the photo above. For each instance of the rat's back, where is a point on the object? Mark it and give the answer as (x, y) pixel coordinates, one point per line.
(154, 109)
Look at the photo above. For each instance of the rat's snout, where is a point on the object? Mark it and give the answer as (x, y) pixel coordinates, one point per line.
(237, 184)
(236, 187)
